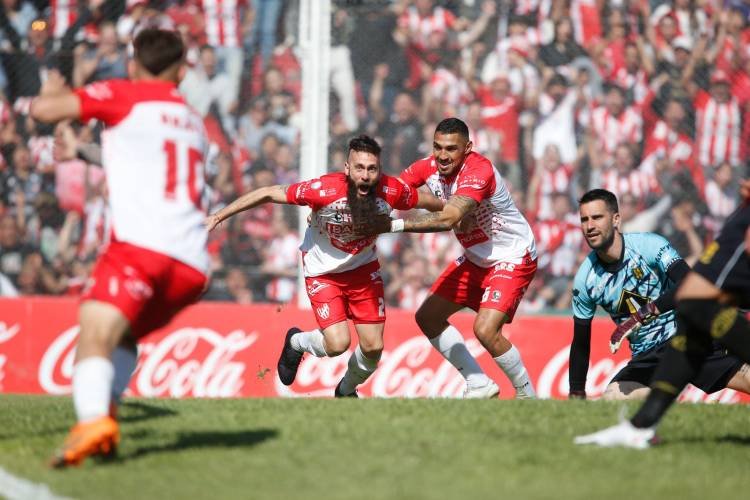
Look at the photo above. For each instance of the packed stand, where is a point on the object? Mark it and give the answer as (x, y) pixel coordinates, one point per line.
(648, 99)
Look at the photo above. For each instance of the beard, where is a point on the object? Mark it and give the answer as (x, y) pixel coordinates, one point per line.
(363, 208)
(606, 242)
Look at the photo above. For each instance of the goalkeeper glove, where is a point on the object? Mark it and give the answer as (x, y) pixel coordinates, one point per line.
(641, 316)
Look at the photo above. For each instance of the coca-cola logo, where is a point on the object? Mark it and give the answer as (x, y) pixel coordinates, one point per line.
(553, 381)
(410, 370)
(7, 332)
(196, 362)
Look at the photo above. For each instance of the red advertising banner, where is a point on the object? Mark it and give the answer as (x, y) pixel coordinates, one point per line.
(223, 350)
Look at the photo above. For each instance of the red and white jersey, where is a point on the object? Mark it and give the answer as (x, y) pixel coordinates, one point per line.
(610, 130)
(446, 87)
(639, 183)
(720, 202)
(557, 180)
(559, 244)
(420, 27)
(666, 142)
(153, 152)
(331, 244)
(718, 130)
(222, 22)
(587, 22)
(63, 13)
(495, 231)
(636, 82)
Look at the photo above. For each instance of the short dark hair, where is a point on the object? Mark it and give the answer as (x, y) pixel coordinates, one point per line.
(608, 197)
(158, 50)
(453, 126)
(366, 144)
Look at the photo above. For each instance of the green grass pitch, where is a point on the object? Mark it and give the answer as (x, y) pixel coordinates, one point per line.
(380, 448)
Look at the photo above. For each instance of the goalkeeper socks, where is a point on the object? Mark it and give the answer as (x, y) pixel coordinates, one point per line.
(359, 369)
(124, 361)
(451, 345)
(311, 342)
(512, 365)
(92, 386)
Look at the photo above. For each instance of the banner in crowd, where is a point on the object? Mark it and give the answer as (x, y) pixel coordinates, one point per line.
(221, 350)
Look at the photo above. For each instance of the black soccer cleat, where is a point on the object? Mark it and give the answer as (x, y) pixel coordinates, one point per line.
(338, 394)
(289, 359)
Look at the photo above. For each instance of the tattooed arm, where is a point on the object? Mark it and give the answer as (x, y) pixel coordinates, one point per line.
(444, 220)
(260, 196)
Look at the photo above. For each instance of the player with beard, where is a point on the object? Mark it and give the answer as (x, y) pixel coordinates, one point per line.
(498, 264)
(341, 267)
(634, 278)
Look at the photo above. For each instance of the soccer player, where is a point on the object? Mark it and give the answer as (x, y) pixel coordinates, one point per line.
(634, 278)
(708, 302)
(340, 265)
(156, 263)
(498, 264)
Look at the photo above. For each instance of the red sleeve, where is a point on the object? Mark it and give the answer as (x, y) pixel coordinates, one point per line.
(417, 173)
(398, 194)
(477, 179)
(316, 193)
(104, 101)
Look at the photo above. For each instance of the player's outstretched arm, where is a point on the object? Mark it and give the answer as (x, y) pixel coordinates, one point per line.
(429, 201)
(260, 196)
(56, 101)
(444, 220)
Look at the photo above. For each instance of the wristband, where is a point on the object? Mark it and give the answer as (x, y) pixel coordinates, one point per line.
(397, 225)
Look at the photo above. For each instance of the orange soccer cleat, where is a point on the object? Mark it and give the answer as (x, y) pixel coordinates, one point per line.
(97, 437)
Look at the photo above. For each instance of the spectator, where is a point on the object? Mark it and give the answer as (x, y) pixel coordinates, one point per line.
(205, 86)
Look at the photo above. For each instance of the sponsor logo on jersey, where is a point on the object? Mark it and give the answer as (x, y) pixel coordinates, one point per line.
(625, 305)
(638, 273)
(323, 311)
(495, 296)
(390, 190)
(473, 238)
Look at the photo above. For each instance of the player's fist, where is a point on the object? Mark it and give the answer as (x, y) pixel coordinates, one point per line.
(641, 316)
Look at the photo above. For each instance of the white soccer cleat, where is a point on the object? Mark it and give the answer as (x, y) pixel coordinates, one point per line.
(486, 391)
(526, 391)
(622, 434)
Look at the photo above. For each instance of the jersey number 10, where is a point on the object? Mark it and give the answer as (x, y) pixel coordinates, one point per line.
(194, 184)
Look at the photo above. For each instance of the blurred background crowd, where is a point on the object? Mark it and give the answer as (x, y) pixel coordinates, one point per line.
(647, 98)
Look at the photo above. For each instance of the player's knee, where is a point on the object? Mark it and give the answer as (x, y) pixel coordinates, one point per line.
(371, 348)
(486, 330)
(425, 320)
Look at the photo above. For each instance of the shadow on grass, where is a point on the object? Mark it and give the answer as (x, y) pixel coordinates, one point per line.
(725, 439)
(138, 411)
(206, 439)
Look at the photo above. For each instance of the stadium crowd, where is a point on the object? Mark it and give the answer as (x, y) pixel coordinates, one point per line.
(648, 99)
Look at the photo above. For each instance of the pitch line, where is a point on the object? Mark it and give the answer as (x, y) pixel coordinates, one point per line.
(16, 488)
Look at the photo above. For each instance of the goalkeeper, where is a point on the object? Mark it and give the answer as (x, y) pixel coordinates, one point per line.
(634, 278)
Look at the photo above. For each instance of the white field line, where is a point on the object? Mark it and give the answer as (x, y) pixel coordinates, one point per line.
(16, 488)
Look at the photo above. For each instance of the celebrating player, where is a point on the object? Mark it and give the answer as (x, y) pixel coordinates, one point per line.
(341, 267)
(708, 302)
(497, 267)
(156, 262)
(634, 278)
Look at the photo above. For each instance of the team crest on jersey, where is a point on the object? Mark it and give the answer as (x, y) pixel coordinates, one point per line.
(638, 273)
(625, 304)
(709, 252)
(323, 311)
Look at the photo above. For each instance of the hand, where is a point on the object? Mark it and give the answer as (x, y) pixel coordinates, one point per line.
(212, 221)
(577, 395)
(641, 316)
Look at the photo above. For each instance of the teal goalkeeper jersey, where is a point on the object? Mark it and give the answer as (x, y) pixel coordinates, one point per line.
(639, 277)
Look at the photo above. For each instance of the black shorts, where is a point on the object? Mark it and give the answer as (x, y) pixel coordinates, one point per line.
(725, 262)
(715, 374)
